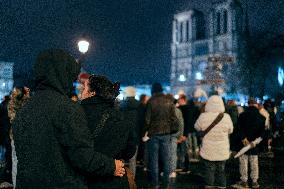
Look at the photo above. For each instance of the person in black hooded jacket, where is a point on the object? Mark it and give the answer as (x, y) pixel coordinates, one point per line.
(52, 140)
(250, 126)
(113, 131)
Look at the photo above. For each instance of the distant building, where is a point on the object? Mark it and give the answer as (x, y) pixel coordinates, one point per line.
(6, 78)
(196, 36)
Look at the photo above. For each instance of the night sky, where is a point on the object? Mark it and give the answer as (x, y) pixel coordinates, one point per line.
(130, 39)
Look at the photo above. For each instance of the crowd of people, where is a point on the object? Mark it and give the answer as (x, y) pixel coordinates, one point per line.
(51, 137)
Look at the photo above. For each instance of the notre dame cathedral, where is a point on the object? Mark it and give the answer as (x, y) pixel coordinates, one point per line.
(198, 36)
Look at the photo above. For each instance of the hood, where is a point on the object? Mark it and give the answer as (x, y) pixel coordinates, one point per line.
(56, 69)
(215, 104)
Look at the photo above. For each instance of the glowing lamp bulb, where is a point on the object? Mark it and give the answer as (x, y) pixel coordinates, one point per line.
(83, 46)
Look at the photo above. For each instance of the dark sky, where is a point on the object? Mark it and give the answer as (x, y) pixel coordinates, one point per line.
(130, 39)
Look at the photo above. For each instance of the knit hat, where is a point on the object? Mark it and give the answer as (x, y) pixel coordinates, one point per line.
(130, 91)
(156, 88)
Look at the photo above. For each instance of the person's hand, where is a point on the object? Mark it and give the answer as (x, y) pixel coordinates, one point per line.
(252, 145)
(181, 139)
(119, 168)
(145, 138)
(245, 142)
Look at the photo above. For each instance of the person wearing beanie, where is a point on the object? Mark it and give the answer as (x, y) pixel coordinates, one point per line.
(160, 118)
(130, 107)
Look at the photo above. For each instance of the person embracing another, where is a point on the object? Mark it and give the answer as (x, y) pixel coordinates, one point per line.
(52, 139)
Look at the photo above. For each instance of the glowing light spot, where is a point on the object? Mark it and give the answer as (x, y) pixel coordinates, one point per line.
(182, 78)
(198, 76)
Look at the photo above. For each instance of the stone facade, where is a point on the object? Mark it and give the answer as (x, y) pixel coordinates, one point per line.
(6, 78)
(196, 36)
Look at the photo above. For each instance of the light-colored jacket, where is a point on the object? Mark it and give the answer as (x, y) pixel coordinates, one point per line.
(265, 113)
(215, 145)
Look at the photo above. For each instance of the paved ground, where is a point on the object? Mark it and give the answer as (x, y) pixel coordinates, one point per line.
(194, 179)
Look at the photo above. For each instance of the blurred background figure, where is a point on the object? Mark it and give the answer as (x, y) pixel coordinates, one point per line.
(19, 97)
(188, 147)
(176, 138)
(278, 149)
(231, 108)
(142, 155)
(5, 147)
(267, 140)
(130, 108)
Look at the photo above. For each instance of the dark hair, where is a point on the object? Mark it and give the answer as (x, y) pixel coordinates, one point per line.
(20, 92)
(104, 87)
(183, 97)
(156, 88)
(142, 97)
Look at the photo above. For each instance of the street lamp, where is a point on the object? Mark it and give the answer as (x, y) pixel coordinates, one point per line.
(83, 46)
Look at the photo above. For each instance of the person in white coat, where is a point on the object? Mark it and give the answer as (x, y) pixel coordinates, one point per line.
(215, 148)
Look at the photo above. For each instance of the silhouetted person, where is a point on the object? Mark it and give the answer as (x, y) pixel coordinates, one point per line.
(52, 139)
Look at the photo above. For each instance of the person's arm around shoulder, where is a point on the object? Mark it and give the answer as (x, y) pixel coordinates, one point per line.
(75, 138)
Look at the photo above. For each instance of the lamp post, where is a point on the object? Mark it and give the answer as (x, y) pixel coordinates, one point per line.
(83, 46)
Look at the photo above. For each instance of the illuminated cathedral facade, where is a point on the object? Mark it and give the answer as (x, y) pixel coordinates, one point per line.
(196, 36)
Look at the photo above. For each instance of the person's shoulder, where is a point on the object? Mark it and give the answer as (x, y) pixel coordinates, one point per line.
(66, 105)
(226, 115)
(116, 114)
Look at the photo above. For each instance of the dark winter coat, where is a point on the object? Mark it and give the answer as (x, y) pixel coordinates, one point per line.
(4, 123)
(52, 139)
(232, 110)
(251, 125)
(141, 118)
(115, 139)
(160, 110)
(130, 108)
(190, 113)
(5, 140)
(278, 140)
